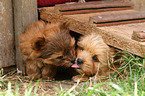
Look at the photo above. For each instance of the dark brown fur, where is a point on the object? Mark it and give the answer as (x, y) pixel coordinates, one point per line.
(46, 46)
(58, 52)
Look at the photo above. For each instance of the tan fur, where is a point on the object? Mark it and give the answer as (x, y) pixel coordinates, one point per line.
(34, 30)
(43, 45)
(53, 29)
(33, 68)
(33, 33)
(90, 46)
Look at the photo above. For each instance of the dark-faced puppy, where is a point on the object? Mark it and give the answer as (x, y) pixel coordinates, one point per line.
(93, 57)
(46, 46)
(60, 51)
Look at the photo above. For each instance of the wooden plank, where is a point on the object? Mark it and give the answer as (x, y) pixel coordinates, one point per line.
(118, 23)
(117, 36)
(120, 37)
(138, 36)
(7, 53)
(25, 12)
(86, 17)
(50, 15)
(139, 5)
(93, 10)
(117, 18)
(126, 16)
(92, 5)
(89, 7)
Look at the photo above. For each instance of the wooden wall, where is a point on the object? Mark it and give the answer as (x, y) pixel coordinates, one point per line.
(25, 12)
(15, 16)
(7, 53)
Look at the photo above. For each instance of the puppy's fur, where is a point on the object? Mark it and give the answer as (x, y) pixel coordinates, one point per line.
(92, 57)
(32, 35)
(46, 46)
(60, 51)
(29, 45)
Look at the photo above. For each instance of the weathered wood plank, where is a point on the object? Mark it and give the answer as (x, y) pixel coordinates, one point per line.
(25, 12)
(86, 17)
(139, 5)
(91, 7)
(118, 18)
(117, 36)
(7, 54)
(120, 37)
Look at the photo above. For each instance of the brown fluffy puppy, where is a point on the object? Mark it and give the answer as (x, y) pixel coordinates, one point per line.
(92, 57)
(46, 46)
(60, 51)
(30, 44)
(32, 35)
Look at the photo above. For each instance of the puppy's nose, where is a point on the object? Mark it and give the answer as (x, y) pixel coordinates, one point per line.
(79, 61)
(73, 60)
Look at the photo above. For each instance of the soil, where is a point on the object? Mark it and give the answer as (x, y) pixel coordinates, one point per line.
(45, 87)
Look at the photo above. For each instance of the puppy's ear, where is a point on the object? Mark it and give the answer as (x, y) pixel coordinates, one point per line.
(37, 43)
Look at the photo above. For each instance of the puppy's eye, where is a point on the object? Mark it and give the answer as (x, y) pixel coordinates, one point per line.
(60, 57)
(95, 58)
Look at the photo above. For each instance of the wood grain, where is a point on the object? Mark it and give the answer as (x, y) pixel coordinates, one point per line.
(25, 12)
(139, 5)
(7, 53)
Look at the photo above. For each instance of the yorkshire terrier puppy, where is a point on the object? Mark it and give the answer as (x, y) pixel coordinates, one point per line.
(93, 57)
(60, 51)
(45, 47)
(33, 35)
(30, 44)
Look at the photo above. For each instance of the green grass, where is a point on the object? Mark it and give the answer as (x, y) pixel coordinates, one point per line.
(127, 81)
(29, 91)
(7, 90)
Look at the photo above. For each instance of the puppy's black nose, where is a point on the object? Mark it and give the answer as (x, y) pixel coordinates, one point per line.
(73, 60)
(79, 61)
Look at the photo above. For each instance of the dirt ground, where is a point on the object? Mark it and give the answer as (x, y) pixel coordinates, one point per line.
(45, 87)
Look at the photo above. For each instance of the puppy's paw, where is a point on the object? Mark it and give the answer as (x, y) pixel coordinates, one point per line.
(79, 78)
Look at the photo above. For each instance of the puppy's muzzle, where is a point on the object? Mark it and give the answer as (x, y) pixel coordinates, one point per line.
(78, 62)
